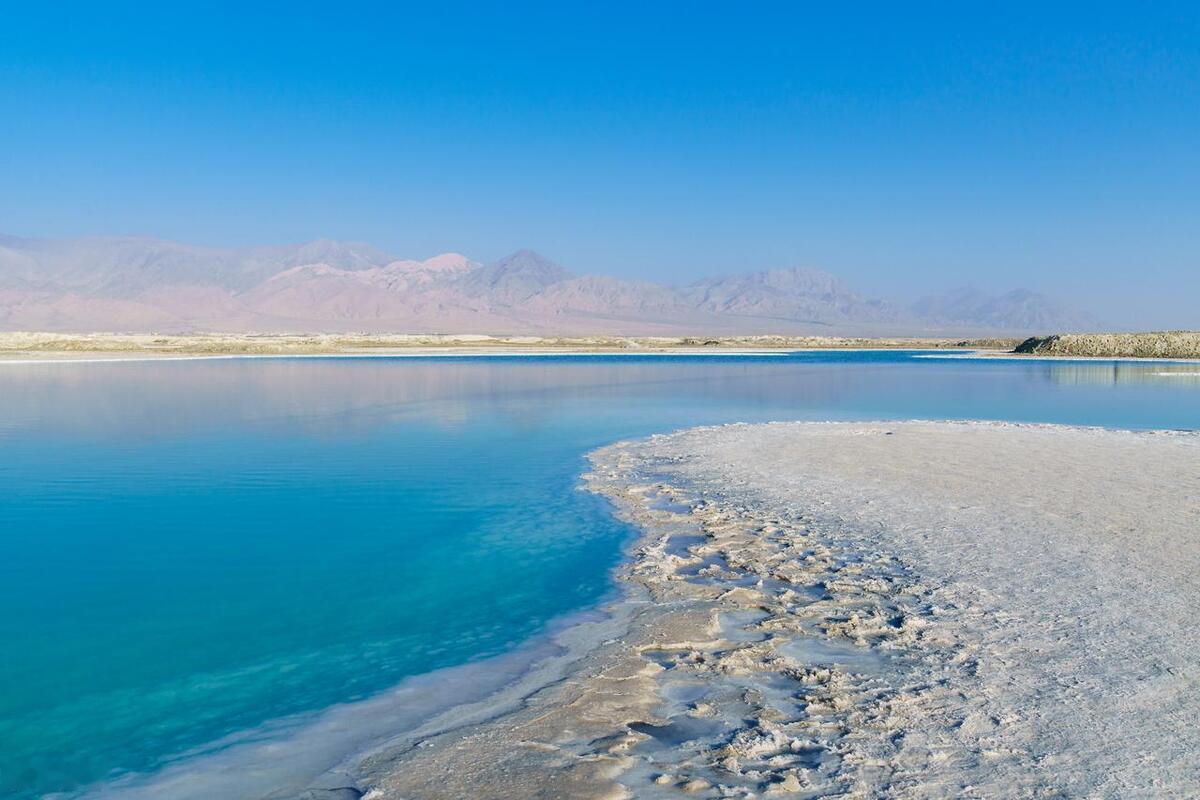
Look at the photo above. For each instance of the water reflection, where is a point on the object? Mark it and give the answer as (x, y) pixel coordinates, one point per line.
(1075, 373)
(123, 400)
(322, 397)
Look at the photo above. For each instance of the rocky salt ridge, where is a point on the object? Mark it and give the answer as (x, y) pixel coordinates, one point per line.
(1159, 344)
(901, 609)
(724, 683)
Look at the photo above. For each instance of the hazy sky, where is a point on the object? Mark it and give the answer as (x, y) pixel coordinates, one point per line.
(903, 146)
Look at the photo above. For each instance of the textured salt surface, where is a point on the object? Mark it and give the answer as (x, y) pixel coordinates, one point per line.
(907, 610)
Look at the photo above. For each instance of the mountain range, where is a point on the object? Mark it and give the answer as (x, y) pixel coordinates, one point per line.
(139, 284)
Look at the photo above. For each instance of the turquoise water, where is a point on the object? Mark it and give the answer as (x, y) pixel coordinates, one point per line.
(193, 548)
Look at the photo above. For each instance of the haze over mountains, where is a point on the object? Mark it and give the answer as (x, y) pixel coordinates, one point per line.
(138, 284)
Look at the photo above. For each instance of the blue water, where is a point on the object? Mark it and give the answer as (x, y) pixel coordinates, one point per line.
(192, 548)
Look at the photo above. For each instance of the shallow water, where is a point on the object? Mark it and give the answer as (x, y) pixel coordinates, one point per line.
(192, 549)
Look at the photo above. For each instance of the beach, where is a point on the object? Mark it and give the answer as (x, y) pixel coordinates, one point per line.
(909, 609)
(27, 347)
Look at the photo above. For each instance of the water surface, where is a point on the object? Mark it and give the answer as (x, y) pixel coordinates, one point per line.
(193, 548)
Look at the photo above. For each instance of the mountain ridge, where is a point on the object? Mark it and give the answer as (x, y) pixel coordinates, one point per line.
(1021, 308)
(144, 284)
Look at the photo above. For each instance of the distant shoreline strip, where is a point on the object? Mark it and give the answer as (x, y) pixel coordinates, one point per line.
(540, 354)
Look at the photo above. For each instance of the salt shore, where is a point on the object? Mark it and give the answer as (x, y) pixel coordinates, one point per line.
(33, 347)
(909, 610)
(902, 609)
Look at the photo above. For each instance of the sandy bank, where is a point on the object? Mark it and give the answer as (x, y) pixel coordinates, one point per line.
(907, 609)
(111, 346)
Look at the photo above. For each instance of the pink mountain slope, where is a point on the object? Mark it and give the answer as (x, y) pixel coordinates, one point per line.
(130, 284)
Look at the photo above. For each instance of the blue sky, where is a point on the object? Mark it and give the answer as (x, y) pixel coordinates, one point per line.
(905, 147)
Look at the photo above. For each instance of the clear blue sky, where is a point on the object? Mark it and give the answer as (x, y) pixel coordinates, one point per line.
(903, 146)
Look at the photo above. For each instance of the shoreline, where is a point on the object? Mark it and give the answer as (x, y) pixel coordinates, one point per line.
(317, 754)
(89, 358)
(104, 346)
(794, 649)
(448, 353)
(768, 644)
(25, 345)
(320, 754)
(75, 357)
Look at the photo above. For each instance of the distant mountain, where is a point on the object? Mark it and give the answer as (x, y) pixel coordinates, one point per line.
(122, 266)
(136, 284)
(1019, 309)
(513, 279)
(807, 295)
